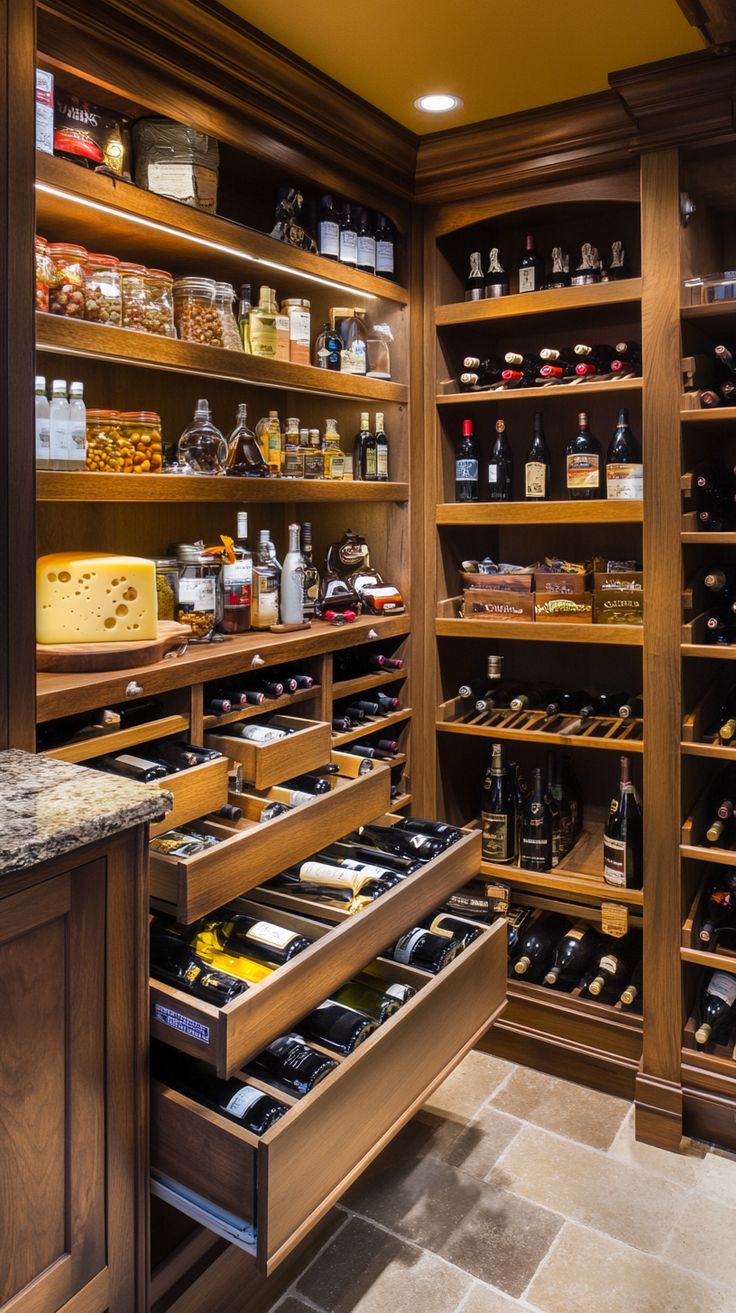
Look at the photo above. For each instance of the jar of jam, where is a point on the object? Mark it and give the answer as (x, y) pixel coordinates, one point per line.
(133, 284)
(195, 312)
(66, 294)
(105, 448)
(103, 302)
(200, 593)
(141, 431)
(44, 273)
(167, 587)
(159, 293)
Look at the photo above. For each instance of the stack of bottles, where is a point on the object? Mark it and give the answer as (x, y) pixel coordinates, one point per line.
(552, 951)
(581, 363)
(535, 276)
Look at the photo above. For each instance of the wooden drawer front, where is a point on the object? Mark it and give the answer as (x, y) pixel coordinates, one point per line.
(229, 1036)
(196, 791)
(596, 1025)
(265, 764)
(306, 1161)
(252, 852)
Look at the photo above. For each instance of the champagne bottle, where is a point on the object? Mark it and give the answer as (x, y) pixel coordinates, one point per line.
(537, 839)
(475, 282)
(719, 912)
(537, 468)
(623, 857)
(537, 945)
(716, 1009)
(263, 940)
(633, 990)
(235, 1099)
(500, 466)
(583, 463)
(498, 812)
(612, 971)
(175, 963)
(497, 283)
(377, 1001)
(425, 950)
(292, 1065)
(572, 954)
(337, 1026)
(405, 843)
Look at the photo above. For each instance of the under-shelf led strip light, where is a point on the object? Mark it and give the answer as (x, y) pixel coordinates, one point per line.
(198, 241)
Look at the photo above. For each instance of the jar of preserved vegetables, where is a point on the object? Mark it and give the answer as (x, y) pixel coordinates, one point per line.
(44, 273)
(195, 312)
(200, 593)
(66, 294)
(133, 284)
(105, 446)
(167, 587)
(141, 431)
(159, 316)
(103, 301)
(225, 300)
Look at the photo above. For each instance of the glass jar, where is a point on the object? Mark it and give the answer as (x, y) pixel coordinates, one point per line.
(199, 603)
(133, 284)
(195, 312)
(105, 444)
(44, 273)
(167, 587)
(66, 294)
(201, 446)
(225, 300)
(141, 430)
(103, 300)
(159, 295)
(300, 329)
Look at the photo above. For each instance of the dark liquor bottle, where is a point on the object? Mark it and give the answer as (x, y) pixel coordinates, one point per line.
(538, 944)
(531, 268)
(466, 465)
(293, 1065)
(593, 359)
(348, 237)
(375, 1000)
(624, 470)
(498, 811)
(612, 972)
(366, 244)
(537, 467)
(584, 463)
(328, 229)
(174, 962)
(385, 248)
(475, 283)
(633, 990)
(338, 1026)
(536, 835)
(237, 582)
(427, 951)
(500, 466)
(719, 911)
(572, 954)
(382, 462)
(497, 283)
(235, 1099)
(365, 465)
(716, 1007)
(623, 856)
(311, 577)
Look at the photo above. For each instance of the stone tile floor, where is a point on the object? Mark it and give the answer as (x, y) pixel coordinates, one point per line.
(516, 1191)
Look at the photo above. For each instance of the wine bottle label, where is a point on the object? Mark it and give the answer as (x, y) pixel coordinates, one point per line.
(527, 279)
(367, 251)
(348, 247)
(265, 599)
(329, 238)
(584, 470)
(497, 838)
(382, 462)
(242, 1100)
(614, 861)
(385, 258)
(332, 877)
(723, 986)
(406, 946)
(237, 574)
(624, 482)
(608, 964)
(139, 763)
(493, 473)
(43, 439)
(467, 470)
(272, 936)
(199, 594)
(366, 868)
(438, 929)
(261, 734)
(535, 478)
(402, 992)
(353, 359)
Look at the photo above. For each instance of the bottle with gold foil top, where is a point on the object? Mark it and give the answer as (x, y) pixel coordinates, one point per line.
(268, 433)
(334, 456)
(262, 326)
(314, 458)
(292, 462)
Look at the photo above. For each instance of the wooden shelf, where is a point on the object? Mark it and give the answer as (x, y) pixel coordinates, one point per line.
(502, 395)
(718, 415)
(347, 688)
(713, 961)
(116, 740)
(266, 708)
(398, 804)
(123, 346)
(690, 533)
(373, 726)
(580, 872)
(715, 750)
(715, 310)
(84, 485)
(717, 856)
(545, 512)
(553, 301)
(611, 734)
(718, 651)
(164, 233)
(544, 632)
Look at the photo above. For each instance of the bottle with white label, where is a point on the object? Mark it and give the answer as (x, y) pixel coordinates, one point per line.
(366, 244)
(59, 427)
(262, 733)
(381, 450)
(385, 261)
(263, 940)
(623, 860)
(234, 1098)
(77, 427)
(537, 467)
(292, 581)
(624, 470)
(43, 454)
(717, 1003)
(237, 582)
(328, 238)
(348, 238)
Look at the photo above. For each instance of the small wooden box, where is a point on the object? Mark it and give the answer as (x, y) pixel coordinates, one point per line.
(562, 583)
(622, 581)
(618, 607)
(265, 764)
(499, 583)
(564, 608)
(493, 605)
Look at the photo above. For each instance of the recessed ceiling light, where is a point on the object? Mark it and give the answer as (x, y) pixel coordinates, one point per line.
(437, 103)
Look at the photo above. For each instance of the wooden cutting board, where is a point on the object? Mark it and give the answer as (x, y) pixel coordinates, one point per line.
(90, 658)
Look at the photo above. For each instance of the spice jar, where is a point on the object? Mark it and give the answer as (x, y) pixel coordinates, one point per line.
(167, 587)
(159, 293)
(199, 602)
(105, 447)
(133, 284)
(44, 273)
(195, 313)
(103, 302)
(66, 294)
(300, 329)
(141, 430)
(224, 300)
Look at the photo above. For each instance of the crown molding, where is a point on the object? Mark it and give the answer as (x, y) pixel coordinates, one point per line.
(714, 19)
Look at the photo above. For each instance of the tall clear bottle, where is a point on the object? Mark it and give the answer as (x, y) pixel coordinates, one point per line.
(244, 309)
(43, 427)
(77, 427)
(59, 427)
(292, 581)
(265, 605)
(262, 326)
(237, 582)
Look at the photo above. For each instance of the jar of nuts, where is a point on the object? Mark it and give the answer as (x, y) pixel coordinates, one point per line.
(44, 273)
(200, 591)
(66, 294)
(160, 303)
(133, 284)
(141, 430)
(104, 442)
(103, 302)
(195, 312)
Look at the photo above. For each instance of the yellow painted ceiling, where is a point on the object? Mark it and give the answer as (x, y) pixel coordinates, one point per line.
(499, 56)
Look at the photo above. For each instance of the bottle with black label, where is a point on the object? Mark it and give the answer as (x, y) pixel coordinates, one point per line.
(385, 247)
(536, 837)
(500, 466)
(293, 1065)
(466, 465)
(537, 467)
(584, 463)
(328, 230)
(425, 949)
(623, 858)
(498, 811)
(365, 463)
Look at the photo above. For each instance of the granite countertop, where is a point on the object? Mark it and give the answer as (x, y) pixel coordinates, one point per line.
(50, 807)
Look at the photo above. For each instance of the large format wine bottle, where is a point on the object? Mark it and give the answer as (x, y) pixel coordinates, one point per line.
(423, 949)
(263, 940)
(537, 467)
(538, 944)
(234, 1098)
(572, 954)
(500, 466)
(337, 1026)
(716, 1007)
(537, 850)
(498, 811)
(293, 1065)
(376, 1000)
(583, 463)
(175, 963)
(623, 857)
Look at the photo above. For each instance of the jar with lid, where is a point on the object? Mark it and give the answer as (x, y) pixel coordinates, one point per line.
(300, 329)
(195, 312)
(133, 285)
(103, 299)
(167, 587)
(201, 446)
(105, 443)
(141, 430)
(44, 273)
(199, 603)
(66, 294)
(159, 300)
(225, 300)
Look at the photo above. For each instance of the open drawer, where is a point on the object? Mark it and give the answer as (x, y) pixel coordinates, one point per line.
(251, 852)
(264, 764)
(227, 1037)
(196, 791)
(266, 1194)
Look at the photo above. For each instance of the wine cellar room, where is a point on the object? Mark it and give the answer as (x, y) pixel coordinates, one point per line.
(367, 620)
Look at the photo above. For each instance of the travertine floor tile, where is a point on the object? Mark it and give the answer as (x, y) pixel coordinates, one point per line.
(477, 1146)
(292, 1305)
(718, 1177)
(469, 1085)
(483, 1299)
(587, 1271)
(557, 1105)
(705, 1239)
(685, 1169)
(365, 1270)
(626, 1202)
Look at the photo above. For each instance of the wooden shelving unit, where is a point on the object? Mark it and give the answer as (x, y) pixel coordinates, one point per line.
(86, 486)
(549, 512)
(541, 395)
(551, 302)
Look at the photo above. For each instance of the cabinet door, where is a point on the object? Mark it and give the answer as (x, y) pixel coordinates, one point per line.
(52, 1089)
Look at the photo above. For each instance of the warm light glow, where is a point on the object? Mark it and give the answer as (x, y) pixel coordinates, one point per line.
(234, 251)
(438, 103)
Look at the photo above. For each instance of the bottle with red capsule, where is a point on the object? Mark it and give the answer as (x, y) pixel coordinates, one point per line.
(594, 360)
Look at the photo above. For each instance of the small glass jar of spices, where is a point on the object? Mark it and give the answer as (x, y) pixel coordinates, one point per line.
(167, 587)
(195, 312)
(133, 283)
(159, 301)
(225, 300)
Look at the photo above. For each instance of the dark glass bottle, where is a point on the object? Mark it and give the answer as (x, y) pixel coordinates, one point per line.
(449, 834)
(716, 1009)
(466, 465)
(328, 230)
(480, 373)
(537, 467)
(536, 835)
(624, 470)
(262, 940)
(584, 463)
(235, 1099)
(385, 248)
(366, 253)
(719, 911)
(425, 950)
(538, 944)
(612, 973)
(627, 359)
(475, 282)
(382, 462)
(293, 1065)
(727, 717)
(531, 268)
(406, 843)
(311, 573)
(568, 703)
(498, 811)
(623, 856)
(132, 766)
(337, 1026)
(572, 954)
(175, 963)
(500, 466)
(594, 359)
(456, 928)
(633, 990)
(558, 793)
(365, 464)
(348, 237)
(557, 364)
(632, 708)
(379, 1001)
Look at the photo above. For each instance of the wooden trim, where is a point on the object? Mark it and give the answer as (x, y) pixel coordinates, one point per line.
(686, 99)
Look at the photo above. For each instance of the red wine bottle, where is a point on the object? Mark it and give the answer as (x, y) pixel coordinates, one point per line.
(623, 857)
(719, 912)
(531, 268)
(500, 467)
(466, 465)
(593, 359)
(537, 467)
(538, 944)
(584, 463)
(716, 1009)
(572, 954)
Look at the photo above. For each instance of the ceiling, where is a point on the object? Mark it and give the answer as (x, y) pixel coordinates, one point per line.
(499, 57)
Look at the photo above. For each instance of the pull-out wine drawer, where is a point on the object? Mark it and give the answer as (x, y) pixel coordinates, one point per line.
(227, 1037)
(266, 1194)
(251, 852)
(264, 764)
(196, 791)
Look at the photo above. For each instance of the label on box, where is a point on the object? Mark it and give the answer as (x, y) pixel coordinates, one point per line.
(177, 1021)
(624, 482)
(563, 607)
(614, 919)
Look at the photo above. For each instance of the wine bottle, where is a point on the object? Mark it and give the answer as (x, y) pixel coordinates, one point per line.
(293, 1065)
(263, 940)
(449, 834)
(475, 283)
(235, 1099)
(344, 851)
(334, 883)
(472, 688)
(337, 1026)
(479, 374)
(556, 786)
(632, 708)
(329, 229)
(551, 800)
(405, 844)
(719, 912)
(174, 962)
(608, 703)
(500, 466)
(533, 698)
(727, 717)
(537, 945)
(531, 268)
(593, 360)
(209, 943)
(623, 839)
(466, 465)
(572, 954)
(624, 470)
(583, 463)
(568, 702)
(537, 468)
(365, 463)
(536, 836)
(612, 971)
(348, 237)
(455, 928)
(498, 812)
(632, 992)
(425, 950)
(366, 243)
(497, 283)
(382, 461)
(371, 753)
(716, 1009)
(556, 364)
(712, 491)
(376, 1000)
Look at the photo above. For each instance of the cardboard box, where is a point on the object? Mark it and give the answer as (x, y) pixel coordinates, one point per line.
(564, 608)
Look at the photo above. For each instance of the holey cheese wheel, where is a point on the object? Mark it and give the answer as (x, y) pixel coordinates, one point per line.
(83, 597)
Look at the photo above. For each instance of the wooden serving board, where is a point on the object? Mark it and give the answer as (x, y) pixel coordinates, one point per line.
(88, 658)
